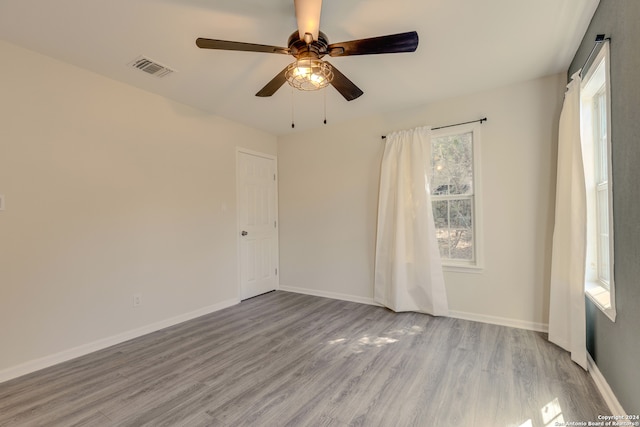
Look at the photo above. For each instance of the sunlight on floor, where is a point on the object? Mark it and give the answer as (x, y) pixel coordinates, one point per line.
(376, 341)
(381, 341)
(551, 415)
(415, 329)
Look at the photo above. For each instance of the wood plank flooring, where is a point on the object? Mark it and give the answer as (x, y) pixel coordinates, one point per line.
(284, 359)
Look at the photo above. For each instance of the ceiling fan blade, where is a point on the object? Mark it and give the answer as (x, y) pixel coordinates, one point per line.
(308, 17)
(394, 43)
(345, 86)
(246, 47)
(275, 83)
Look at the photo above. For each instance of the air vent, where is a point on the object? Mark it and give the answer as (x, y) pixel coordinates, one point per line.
(151, 67)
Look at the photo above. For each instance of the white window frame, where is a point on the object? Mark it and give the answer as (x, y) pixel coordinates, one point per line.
(598, 287)
(477, 263)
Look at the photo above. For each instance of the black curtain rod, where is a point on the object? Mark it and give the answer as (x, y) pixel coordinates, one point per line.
(484, 119)
(599, 39)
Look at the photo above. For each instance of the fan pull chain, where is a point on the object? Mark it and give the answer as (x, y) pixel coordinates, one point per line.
(325, 105)
(293, 125)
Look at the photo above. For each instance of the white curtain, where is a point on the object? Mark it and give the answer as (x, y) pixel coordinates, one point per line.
(408, 269)
(567, 326)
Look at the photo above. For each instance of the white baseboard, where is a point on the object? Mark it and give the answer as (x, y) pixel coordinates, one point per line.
(332, 295)
(495, 320)
(603, 386)
(502, 321)
(72, 353)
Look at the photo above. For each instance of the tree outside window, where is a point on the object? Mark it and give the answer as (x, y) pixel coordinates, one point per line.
(453, 196)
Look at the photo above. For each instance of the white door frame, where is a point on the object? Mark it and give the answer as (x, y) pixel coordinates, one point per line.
(242, 150)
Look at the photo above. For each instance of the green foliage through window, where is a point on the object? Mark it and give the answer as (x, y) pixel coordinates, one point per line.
(452, 192)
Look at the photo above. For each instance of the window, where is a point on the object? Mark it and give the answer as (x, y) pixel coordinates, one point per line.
(596, 150)
(454, 194)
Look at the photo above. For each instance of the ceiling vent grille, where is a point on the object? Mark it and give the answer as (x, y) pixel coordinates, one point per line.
(151, 67)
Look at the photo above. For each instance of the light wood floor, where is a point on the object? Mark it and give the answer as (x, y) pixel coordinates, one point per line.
(284, 359)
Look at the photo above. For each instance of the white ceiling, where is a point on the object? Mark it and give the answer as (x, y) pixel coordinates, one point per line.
(465, 46)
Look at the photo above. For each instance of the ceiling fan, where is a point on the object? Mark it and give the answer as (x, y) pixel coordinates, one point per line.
(308, 45)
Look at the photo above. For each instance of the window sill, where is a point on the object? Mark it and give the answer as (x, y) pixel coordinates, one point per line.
(601, 297)
(462, 268)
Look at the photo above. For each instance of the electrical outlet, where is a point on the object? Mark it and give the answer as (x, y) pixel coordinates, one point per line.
(137, 300)
(1, 202)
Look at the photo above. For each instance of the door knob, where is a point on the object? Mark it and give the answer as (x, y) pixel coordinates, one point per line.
(244, 233)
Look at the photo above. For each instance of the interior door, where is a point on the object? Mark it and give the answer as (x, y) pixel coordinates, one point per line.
(257, 223)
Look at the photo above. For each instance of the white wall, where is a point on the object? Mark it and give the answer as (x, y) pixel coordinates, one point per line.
(109, 191)
(328, 199)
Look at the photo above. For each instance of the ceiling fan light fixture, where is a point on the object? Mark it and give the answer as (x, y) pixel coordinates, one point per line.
(309, 74)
